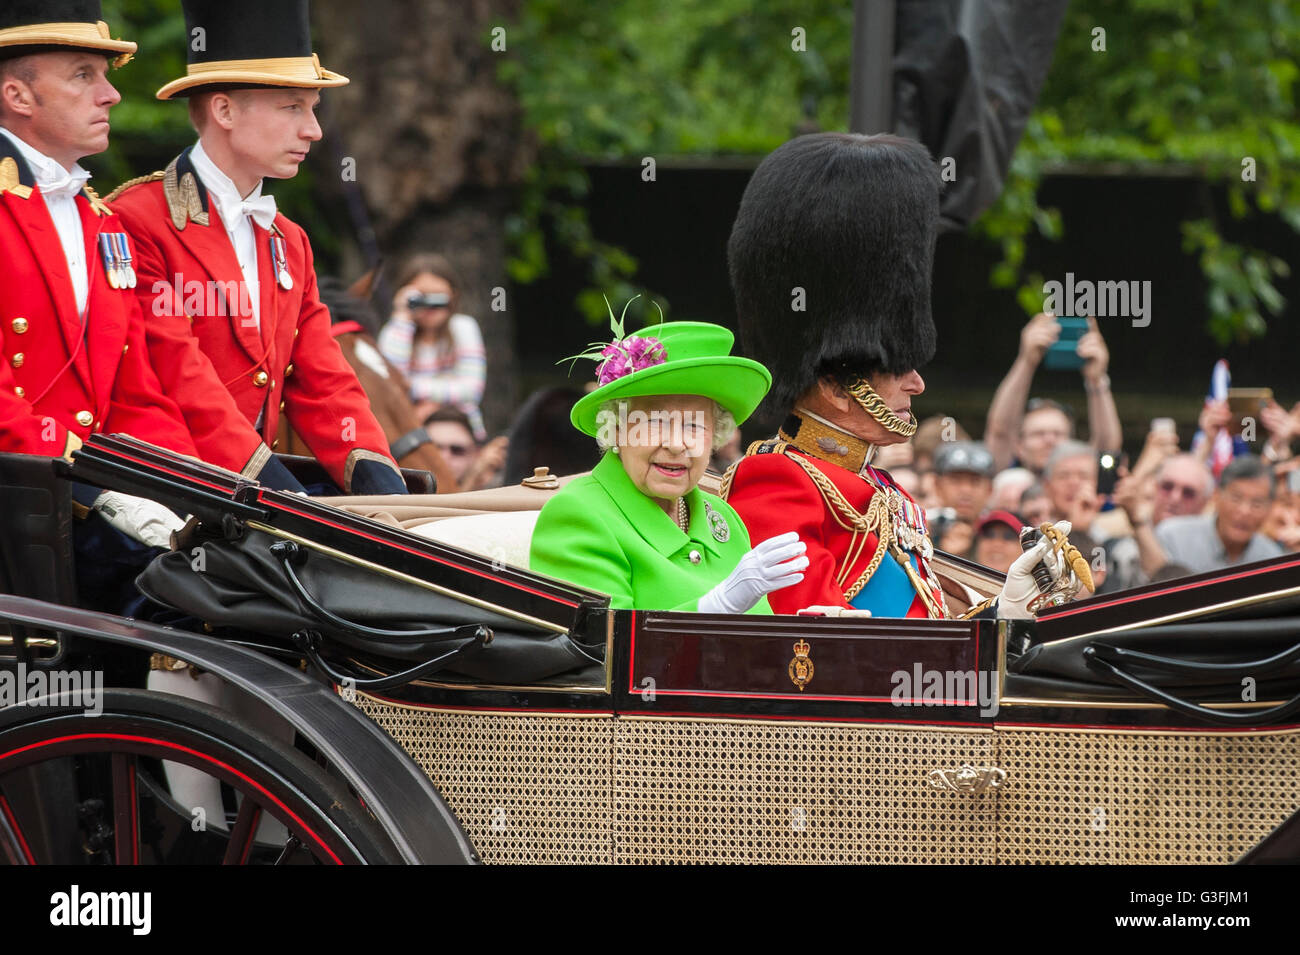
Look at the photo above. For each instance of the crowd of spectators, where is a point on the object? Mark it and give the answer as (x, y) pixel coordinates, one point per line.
(1167, 515)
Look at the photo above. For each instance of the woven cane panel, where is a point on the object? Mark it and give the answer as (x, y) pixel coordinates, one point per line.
(718, 791)
(1142, 798)
(525, 788)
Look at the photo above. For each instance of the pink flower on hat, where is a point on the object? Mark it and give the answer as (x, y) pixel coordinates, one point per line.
(623, 357)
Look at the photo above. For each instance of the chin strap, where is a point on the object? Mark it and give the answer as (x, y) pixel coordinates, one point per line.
(875, 406)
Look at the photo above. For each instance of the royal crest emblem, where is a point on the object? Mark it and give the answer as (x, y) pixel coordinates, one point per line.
(801, 667)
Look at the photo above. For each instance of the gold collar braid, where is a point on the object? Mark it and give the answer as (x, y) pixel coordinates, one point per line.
(818, 438)
(875, 406)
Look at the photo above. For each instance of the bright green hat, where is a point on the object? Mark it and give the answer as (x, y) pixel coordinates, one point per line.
(675, 358)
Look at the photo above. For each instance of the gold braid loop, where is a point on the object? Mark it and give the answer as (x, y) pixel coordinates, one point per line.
(152, 177)
(875, 406)
(875, 521)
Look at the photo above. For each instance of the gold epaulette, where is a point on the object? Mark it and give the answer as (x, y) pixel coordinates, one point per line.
(152, 177)
(767, 446)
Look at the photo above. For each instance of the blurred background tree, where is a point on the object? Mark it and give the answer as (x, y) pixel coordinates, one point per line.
(1196, 87)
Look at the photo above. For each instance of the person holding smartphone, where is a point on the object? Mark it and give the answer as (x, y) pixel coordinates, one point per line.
(439, 350)
(1026, 432)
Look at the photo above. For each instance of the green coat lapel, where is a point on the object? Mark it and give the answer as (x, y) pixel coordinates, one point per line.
(649, 519)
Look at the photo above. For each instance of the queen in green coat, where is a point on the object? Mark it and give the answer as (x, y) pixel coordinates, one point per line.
(638, 528)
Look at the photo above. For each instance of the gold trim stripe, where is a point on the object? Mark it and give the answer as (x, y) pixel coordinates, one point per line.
(398, 575)
(471, 711)
(255, 463)
(357, 455)
(1185, 614)
(1197, 732)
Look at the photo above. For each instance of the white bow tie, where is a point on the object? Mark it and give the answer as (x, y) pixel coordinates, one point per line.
(66, 186)
(262, 210)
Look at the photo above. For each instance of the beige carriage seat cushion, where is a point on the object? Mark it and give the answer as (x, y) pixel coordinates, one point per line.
(413, 510)
(504, 536)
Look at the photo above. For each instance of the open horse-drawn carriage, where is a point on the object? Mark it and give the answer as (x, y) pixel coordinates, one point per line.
(392, 686)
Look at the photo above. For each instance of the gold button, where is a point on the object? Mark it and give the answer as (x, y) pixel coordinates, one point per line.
(260, 379)
(85, 419)
(20, 326)
(288, 371)
(281, 405)
(125, 349)
(20, 392)
(275, 444)
(17, 360)
(295, 333)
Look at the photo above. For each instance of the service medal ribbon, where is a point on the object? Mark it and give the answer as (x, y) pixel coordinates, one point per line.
(124, 257)
(281, 261)
(109, 256)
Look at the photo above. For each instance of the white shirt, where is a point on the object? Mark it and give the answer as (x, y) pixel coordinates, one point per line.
(223, 194)
(59, 187)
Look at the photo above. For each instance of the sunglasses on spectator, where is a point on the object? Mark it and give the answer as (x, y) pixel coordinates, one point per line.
(1187, 493)
(455, 450)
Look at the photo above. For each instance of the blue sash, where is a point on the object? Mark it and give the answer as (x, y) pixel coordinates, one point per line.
(888, 593)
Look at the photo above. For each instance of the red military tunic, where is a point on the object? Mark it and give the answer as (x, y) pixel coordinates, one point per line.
(58, 377)
(224, 370)
(773, 494)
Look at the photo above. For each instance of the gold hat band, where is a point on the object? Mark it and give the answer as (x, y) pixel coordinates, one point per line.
(304, 71)
(291, 67)
(75, 33)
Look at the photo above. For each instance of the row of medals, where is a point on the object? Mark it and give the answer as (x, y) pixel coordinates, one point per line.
(117, 261)
(909, 537)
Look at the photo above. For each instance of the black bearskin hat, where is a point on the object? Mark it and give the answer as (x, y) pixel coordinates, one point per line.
(851, 221)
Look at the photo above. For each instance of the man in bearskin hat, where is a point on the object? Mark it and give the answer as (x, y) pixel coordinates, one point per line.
(830, 259)
(260, 345)
(73, 360)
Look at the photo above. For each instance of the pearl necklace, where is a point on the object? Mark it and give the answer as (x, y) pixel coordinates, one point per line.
(683, 516)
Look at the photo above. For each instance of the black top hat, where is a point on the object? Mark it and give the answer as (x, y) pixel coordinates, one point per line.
(249, 43)
(830, 260)
(32, 26)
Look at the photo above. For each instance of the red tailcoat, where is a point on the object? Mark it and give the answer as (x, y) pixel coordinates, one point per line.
(773, 495)
(55, 380)
(214, 359)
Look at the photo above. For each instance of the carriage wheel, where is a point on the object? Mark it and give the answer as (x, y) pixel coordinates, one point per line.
(77, 788)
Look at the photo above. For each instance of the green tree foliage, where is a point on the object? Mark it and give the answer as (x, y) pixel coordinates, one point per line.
(1209, 85)
(1206, 84)
(627, 80)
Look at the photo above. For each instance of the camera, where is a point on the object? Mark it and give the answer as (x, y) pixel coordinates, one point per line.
(432, 300)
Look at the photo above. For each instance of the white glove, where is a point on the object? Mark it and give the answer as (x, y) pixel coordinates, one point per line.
(777, 562)
(822, 610)
(138, 518)
(1020, 588)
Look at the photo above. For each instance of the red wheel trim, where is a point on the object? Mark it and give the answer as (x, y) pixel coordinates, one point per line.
(269, 796)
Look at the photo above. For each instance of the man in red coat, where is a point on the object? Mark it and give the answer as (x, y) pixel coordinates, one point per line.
(830, 260)
(71, 333)
(236, 328)
(73, 358)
